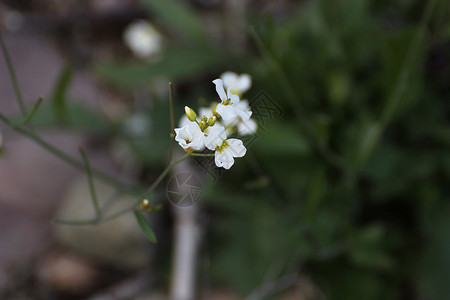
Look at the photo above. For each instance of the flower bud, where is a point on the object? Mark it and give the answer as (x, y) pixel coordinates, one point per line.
(212, 120)
(145, 204)
(204, 119)
(202, 125)
(190, 113)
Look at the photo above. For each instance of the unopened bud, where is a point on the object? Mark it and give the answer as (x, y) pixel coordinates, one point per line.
(204, 119)
(190, 113)
(212, 120)
(202, 125)
(145, 204)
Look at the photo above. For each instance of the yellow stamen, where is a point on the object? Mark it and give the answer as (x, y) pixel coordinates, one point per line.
(223, 146)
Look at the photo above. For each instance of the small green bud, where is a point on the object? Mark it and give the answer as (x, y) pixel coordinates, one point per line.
(190, 113)
(204, 119)
(212, 120)
(202, 125)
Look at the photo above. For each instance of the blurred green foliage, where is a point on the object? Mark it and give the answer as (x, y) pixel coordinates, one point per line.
(351, 185)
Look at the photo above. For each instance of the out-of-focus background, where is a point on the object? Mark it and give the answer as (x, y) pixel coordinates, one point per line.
(344, 191)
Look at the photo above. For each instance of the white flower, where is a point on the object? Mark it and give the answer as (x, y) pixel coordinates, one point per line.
(205, 111)
(214, 136)
(248, 127)
(239, 84)
(143, 39)
(228, 108)
(243, 127)
(190, 137)
(227, 150)
(184, 121)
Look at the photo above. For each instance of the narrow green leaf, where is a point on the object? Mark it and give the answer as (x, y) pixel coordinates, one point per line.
(98, 212)
(60, 92)
(179, 16)
(148, 232)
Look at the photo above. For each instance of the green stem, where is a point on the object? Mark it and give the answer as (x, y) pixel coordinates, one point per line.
(172, 122)
(203, 154)
(162, 175)
(96, 221)
(98, 212)
(32, 112)
(59, 153)
(13, 77)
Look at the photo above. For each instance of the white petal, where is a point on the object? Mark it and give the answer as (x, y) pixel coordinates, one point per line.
(226, 111)
(223, 159)
(204, 111)
(220, 89)
(245, 115)
(184, 121)
(236, 148)
(232, 122)
(230, 79)
(247, 127)
(215, 135)
(234, 99)
(181, 135)
(243, 105)
(194, 128)
(198, 142)
(245, 82)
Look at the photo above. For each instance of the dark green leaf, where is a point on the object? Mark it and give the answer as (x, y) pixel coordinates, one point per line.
(148, 232)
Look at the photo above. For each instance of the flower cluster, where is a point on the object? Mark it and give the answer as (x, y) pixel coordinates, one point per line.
(217, 127)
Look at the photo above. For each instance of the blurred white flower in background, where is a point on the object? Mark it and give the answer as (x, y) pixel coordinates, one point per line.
(13, 21)
(137, 125)
(143, 39)
(238, 84)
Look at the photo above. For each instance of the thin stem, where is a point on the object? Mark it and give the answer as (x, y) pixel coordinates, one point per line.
(98, 212)
(96, 220)
(59, 153)
(13, 77)
(162, 175)
(203, 154)
(30, 115)
(172, 121)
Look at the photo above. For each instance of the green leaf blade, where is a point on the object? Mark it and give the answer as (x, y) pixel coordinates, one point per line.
(146, 230)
